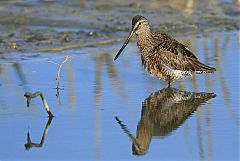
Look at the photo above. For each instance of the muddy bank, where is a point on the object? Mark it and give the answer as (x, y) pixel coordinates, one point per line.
(39, 25)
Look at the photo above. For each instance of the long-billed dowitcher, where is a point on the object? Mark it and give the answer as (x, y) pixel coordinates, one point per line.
(162, 55)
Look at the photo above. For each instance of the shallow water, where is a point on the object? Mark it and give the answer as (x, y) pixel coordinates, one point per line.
(104, 104)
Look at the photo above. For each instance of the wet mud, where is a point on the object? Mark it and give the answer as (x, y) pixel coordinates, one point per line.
(53, 25)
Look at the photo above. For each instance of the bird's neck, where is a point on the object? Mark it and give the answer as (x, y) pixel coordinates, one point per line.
(144, 39)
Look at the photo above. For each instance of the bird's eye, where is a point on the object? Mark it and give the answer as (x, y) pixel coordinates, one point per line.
(139, 23)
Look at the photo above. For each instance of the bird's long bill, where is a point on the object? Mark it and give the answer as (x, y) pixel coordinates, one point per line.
(124, 45)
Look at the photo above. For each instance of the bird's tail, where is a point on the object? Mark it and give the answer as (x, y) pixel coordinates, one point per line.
(202, 68)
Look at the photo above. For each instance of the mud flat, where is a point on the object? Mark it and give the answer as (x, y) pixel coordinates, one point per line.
(43, 25)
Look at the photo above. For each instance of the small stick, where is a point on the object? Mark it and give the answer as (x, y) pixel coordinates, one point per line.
(58, 73)
(29, 96)
(59, 70)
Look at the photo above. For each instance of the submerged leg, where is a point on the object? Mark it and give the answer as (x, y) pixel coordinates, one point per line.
(169, 83)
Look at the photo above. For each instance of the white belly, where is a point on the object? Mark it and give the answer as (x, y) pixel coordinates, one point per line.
(178, 74)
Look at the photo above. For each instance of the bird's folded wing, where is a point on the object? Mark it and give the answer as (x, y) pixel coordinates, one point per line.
(175, 55)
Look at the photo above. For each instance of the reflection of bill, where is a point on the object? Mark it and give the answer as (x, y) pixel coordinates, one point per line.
(30, 144)
(163, 112)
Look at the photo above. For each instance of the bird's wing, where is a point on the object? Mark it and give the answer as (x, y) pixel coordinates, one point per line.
(176, 55)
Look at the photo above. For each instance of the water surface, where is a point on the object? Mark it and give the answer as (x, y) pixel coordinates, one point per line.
(104, 105)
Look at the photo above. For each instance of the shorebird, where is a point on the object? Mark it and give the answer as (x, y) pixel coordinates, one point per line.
(162, 55)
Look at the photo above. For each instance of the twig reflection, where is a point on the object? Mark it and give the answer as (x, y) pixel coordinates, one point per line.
(30, 144)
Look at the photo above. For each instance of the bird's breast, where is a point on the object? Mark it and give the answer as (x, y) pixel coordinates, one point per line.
(141, 45)
(144, 42)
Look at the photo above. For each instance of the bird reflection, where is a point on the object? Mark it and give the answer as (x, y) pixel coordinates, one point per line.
(30, 144)
(163, 112)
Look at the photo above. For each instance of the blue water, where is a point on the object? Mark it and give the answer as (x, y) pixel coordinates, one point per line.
(95, 89)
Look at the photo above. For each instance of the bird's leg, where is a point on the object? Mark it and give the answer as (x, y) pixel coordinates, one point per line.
(169, 83)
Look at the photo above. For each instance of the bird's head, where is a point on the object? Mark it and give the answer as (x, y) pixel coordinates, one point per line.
(139, 24)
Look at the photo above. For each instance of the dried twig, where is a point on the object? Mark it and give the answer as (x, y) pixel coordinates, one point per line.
(67, 58)
(29, 96)
(59, 70)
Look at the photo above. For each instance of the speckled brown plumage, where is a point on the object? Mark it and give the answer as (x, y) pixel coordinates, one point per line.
(163, 112)
(162, 55)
